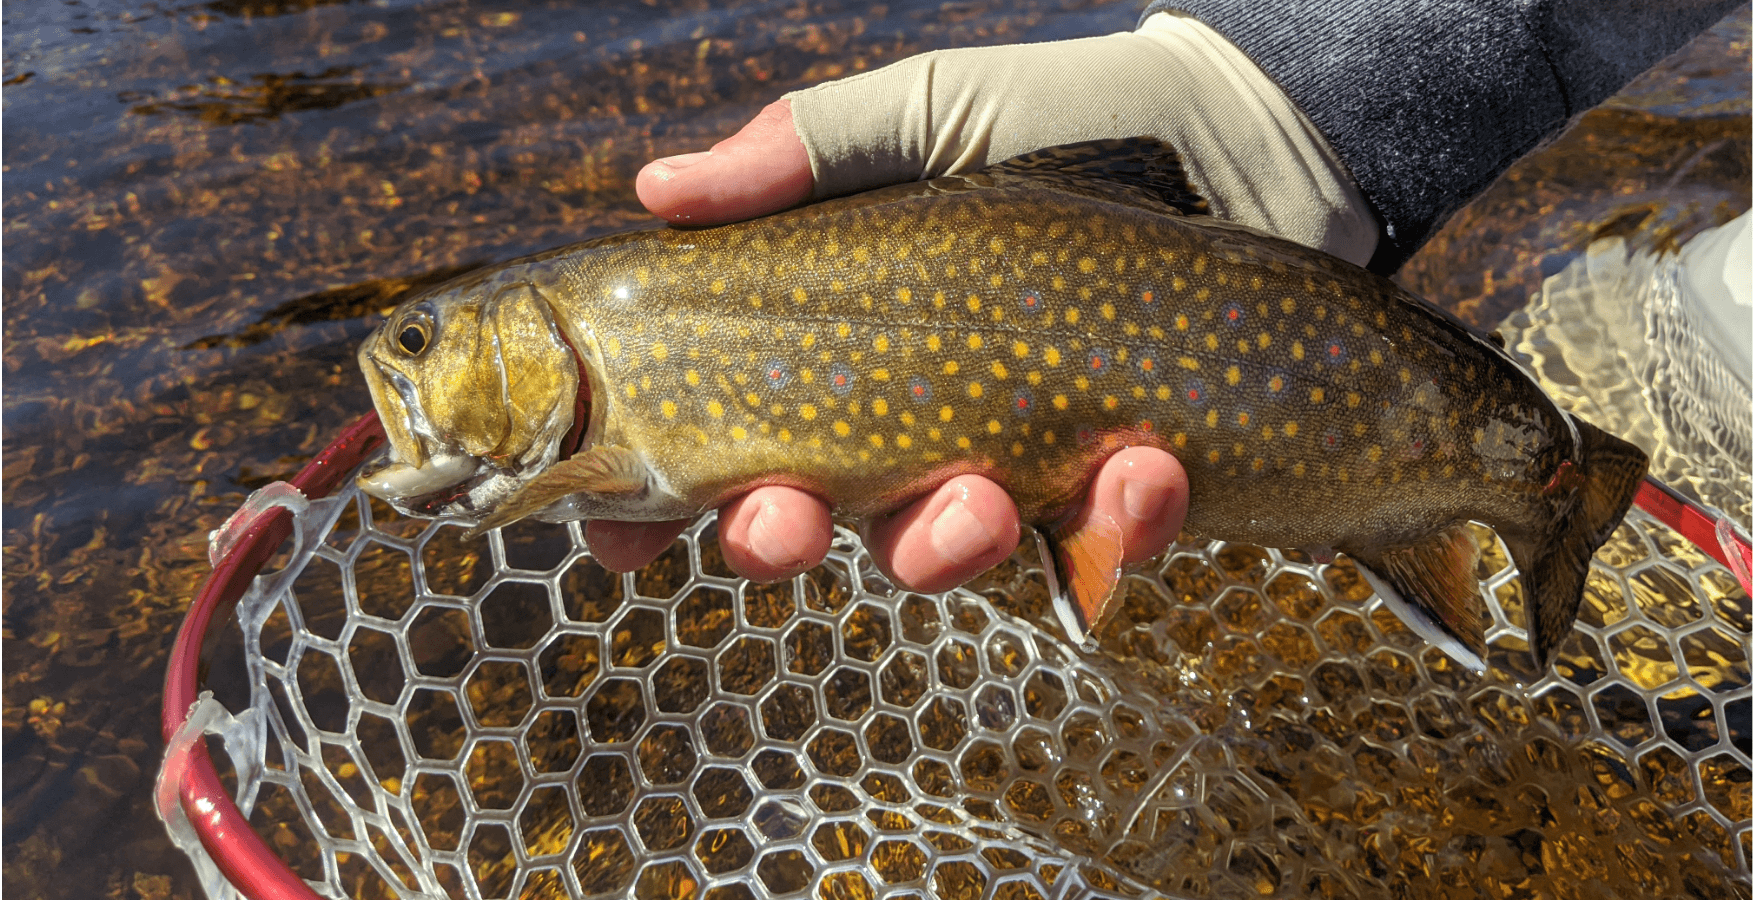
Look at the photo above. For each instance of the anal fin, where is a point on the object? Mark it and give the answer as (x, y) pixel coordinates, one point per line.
(601, 469)
(1431, 586)
(1086, 563)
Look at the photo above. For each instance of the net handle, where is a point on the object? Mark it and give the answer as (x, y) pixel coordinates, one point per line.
(1712, 533)
(241, 856)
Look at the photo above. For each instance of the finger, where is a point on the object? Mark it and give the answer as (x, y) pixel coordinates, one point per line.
(761, 169)
(967, 526)
(773, 533)
(1144, 491)
(626, 546)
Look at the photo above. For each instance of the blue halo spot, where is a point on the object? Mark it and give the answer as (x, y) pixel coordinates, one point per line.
(1194, 391)
(1232, 314)
(1333, 351)
(1331, 441)
(1097, 361)
(841, 380)
(1276, 383)
(777, 374)
(919, 389)
(1032, 301)
(1023, 403)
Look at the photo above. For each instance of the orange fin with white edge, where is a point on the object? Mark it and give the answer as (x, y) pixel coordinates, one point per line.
(1431, 586)
(599, 470)
(1084, 572)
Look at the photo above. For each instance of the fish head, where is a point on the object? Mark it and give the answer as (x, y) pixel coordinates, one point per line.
(478, 388)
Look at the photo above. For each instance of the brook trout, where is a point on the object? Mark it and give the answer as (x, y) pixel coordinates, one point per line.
(1023, 323)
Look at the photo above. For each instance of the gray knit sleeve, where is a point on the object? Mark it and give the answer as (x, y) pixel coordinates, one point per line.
(1427, 101)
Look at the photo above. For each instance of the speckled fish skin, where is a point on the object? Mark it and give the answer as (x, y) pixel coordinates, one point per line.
(1024, 325)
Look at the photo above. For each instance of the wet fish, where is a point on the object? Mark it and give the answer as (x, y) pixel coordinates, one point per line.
(1022, 323)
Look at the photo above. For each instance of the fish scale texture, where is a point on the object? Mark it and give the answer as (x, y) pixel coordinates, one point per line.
(503, 718)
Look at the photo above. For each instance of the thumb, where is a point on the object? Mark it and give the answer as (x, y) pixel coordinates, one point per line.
(761, 169)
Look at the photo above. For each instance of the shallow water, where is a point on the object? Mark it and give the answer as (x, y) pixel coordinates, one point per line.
(207, 205)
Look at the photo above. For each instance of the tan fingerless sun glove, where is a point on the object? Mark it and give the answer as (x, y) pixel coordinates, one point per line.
(1255, 157)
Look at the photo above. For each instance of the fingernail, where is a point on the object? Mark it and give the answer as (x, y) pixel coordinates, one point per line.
(685, 160)
(958, 535)
(768, 540)
(1144, 500)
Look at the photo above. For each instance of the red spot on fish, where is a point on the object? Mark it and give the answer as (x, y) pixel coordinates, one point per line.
(1146, 425)
(840, 381)
(1146, 364)
(1194, 394)
(920, 390)
(1276, 384)
(1567, 477)
(1145, 296)
(1232, 315)
(1334, 350)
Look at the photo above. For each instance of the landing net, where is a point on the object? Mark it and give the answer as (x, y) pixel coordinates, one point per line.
(407, 715)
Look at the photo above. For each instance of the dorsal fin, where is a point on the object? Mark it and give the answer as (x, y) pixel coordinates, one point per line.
(1141, 171)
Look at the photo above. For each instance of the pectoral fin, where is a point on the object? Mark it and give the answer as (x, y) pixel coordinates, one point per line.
(1431, 586)
(1084, 572)
(598, 470)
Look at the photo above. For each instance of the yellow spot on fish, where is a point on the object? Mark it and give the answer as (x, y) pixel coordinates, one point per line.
(1291, 429)
(1020, 349)
(974, 303)
(1257, 463)
(933, 433)
(1017, 449)
(881, 343)
(1139, 393)
(1163, 392)
(1353, 400)
(1180, 440)
(1212, 418)
(1108, 311)
(880, 374)
(1087, 265)
(906, 417)
(777, 410)
(904, 295)
(632, 392)
(1359, 429)
(1200, 264)
(613, 346)
(669, 409)
(1034, 377)
(1060, 401)
(880, 407)
(1082, 383)
(1110, 402)
(998, 369)
(1405, 376)
(738, 433)
(1233, 375)
(877, 440)
(752, 399)
(1072, 315)
(932, 342)
(963, 443)
(1316, 395)
(974, 341)
(842, 429)
(1375, 453)
(945, 413)
(1212, 456)
(714, 409)
(842, 329)
(1262, 340)
(806, 412)
(1047, 437)
(659, 351)
(692, 377)
(1051, 355)
(951, 367)
(993, 426)
(904, 441)
(798, 295)
(1212, 342)
(1287, 305)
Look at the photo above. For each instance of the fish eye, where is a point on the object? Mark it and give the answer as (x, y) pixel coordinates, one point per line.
(412, 338)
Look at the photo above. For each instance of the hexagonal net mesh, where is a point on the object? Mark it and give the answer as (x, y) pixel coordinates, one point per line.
(505, 718)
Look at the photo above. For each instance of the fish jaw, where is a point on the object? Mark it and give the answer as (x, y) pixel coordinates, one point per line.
(481, 406)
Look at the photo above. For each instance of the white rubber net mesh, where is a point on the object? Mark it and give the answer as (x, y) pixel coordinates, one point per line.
(507, 719)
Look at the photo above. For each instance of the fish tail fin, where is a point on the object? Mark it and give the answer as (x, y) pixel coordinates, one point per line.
(1589, 501)
(1431, 586)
